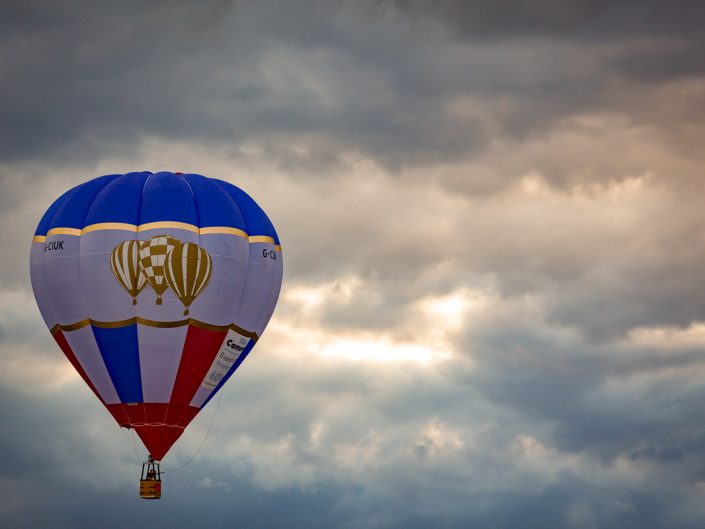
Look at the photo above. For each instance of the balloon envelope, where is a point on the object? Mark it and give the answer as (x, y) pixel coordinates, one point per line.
(156, 287)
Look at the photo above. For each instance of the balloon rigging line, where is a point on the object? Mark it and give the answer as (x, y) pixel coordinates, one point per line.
(132, 435)
(132, 442)
(217, 406)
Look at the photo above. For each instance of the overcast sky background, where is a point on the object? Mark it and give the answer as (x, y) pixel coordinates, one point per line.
(491, 213)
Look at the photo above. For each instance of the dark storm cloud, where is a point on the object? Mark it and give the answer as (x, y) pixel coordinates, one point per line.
(396, 489)
(64, 462)
(678, 59)
(644, 296)
(580, 19)
(605, 400)
(337, 78)
(87, 75)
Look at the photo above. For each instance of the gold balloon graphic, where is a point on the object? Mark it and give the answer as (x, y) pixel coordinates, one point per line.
(152, 257)
(188, 270)
(123, 262)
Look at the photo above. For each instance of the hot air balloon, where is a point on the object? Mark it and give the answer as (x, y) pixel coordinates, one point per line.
(156, 356)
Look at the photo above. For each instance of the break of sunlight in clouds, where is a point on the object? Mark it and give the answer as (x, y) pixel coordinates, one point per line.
(669, 338)
(434, 318)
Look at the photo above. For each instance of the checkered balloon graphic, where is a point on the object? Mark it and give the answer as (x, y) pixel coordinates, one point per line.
(152, 258)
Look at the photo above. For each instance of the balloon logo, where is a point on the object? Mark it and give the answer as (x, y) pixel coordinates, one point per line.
(124, 264)
(164, 262)
(188, 271)
(153, 254)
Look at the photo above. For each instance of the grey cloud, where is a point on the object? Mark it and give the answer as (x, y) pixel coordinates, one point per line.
(580, 20)
(606, 400)
(581, 260)
(279, 399)
(544, 156)
(335, 78)
(395, 494)
(679, 59)
(662, 297)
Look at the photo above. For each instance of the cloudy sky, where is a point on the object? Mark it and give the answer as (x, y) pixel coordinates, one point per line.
(491, 213)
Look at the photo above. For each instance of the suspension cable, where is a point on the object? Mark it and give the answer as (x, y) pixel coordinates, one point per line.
(217, 406)
(130, 434)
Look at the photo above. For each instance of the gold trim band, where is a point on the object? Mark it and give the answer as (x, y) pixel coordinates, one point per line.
(64, 231)
(141, 321)
(110, 226)
(76, 326)
(168, 224)
(208, 230)
(162, 324)
(113, 324)
(244, 332)
(152, 323)
(223, 229)
(261, 238)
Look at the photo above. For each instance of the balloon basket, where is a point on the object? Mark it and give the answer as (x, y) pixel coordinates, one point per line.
(151, 480)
